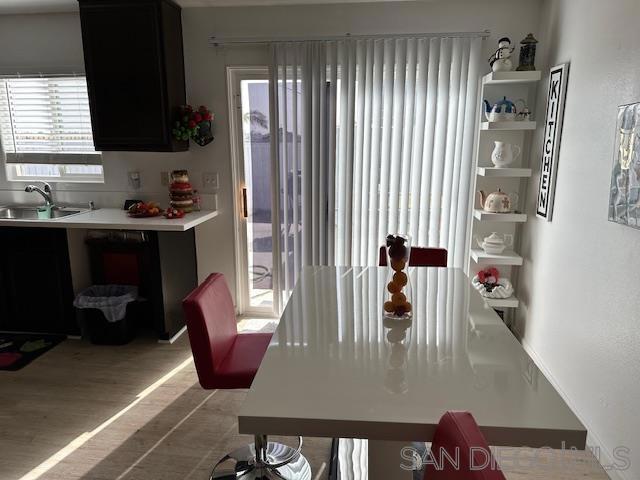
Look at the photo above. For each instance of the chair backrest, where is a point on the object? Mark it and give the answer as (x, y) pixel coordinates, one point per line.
(420, 257)
(211, 323)
(459, 439)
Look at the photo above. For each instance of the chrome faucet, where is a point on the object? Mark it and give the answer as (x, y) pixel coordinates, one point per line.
(46, 192)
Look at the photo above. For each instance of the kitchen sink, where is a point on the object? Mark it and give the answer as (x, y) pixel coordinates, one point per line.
(31, 213)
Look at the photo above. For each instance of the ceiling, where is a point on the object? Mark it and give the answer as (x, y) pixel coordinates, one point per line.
(49, 6)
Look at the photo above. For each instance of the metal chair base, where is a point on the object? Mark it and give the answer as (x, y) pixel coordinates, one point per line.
(275, 461)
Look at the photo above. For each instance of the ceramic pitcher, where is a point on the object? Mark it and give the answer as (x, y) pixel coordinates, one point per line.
(503, 153)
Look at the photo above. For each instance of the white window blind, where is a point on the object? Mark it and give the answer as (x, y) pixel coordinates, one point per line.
(46, 120)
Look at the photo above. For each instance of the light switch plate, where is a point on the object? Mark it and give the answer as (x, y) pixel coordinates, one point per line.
(210, 180)
(165, 178)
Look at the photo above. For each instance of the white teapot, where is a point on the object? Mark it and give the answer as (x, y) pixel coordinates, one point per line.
(503, 110)
(497, 202)
(502, 154)
(495, 244)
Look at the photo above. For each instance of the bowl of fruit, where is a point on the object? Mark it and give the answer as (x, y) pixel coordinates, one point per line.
(144, 210)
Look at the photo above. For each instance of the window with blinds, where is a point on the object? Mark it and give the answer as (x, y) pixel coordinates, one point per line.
(45, 129)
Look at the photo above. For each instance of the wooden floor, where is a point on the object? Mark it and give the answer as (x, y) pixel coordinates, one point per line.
(137, 412)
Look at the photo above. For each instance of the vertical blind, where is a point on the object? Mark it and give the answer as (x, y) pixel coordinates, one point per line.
(45, 115)
(374, 136)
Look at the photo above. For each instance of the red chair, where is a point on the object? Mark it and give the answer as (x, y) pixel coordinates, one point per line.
(420, 257)
(225, 359)
(458, 437)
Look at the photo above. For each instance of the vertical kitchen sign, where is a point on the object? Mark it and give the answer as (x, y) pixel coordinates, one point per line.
(551, 143)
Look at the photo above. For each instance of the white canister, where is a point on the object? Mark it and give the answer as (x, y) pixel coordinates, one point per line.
(503, 153)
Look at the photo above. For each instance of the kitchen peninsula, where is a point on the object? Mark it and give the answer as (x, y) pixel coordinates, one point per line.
(166, 263)
(117, 219)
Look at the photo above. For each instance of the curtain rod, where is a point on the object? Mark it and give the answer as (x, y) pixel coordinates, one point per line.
(215, 41)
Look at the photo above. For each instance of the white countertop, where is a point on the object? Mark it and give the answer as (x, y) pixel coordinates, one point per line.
(117, 219)
(334, 368)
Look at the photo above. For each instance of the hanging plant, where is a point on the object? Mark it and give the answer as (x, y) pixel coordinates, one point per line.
(194, 124)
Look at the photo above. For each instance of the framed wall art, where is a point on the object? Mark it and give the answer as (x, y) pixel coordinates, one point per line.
(558, 79)
(624, 196)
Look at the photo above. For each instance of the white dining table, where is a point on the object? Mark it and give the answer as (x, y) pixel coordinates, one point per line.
(337, 368)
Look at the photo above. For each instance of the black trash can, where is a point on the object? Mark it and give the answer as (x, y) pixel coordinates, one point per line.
(107, 313)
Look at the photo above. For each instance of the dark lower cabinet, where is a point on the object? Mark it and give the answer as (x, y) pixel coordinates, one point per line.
(36, 291)
(162, 265)
(4, 290)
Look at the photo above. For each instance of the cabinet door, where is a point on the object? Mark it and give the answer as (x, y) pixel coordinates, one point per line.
(125, 75)
(38, 281)
(4, 284)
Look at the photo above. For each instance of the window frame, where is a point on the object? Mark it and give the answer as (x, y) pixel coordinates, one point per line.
(13, 174)
(60, 160)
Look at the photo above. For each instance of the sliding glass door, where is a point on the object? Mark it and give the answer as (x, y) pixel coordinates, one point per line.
(248, 89)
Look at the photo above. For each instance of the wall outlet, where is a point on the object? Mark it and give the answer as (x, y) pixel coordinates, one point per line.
(134, 180)
(165, 178)
(210, 180)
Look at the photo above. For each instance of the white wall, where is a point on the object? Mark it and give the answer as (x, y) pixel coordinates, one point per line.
(580, 282)
(44, 42)
(53, 44)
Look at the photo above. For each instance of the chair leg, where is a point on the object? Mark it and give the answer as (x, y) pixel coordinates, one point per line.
(263, 460)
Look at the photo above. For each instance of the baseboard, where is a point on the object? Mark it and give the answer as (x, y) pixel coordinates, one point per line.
(18, 332)
(604, 457)
(175, 337)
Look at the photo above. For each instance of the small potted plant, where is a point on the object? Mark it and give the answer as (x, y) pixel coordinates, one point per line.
(194, 124)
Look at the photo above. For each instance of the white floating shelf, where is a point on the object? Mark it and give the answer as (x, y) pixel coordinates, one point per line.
(508, 125)
(499, 217)
(508, 257)
(501, 78)
(483, 321)
(511, 302)
(503, 172)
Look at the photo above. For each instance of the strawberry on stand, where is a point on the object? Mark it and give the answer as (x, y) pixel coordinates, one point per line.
(181, 191)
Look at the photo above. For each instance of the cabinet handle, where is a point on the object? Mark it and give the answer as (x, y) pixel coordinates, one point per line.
(245, 208)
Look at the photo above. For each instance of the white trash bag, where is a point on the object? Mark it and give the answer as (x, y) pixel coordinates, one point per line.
(111, 300)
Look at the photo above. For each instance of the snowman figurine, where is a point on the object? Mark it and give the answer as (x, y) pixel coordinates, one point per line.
(500, 61)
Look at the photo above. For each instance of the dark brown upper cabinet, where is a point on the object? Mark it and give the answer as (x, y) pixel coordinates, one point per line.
(135, 73)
